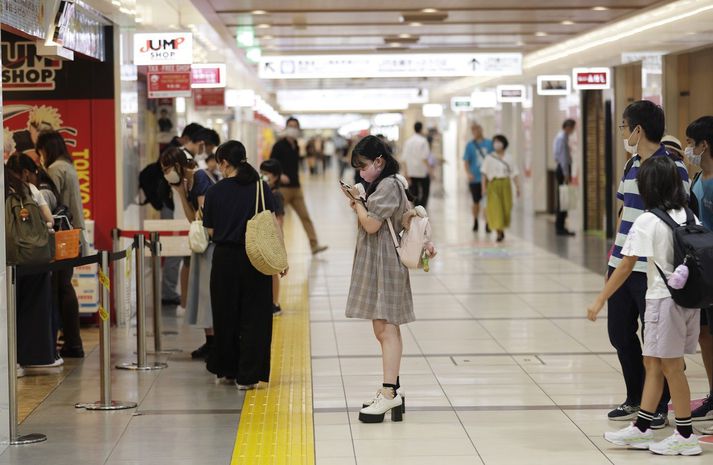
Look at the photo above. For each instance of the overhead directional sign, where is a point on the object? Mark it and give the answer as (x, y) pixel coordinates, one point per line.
(390, 65)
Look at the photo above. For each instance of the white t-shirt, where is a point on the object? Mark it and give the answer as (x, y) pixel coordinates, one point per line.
(37, 195)
(415, 154)
(494, 167)
(650, 237)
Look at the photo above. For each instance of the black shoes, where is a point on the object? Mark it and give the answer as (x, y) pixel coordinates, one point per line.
(71, 352)
(565, 232)
(705, 411)
(624, 412)
(276, 310)
(475, 226)
(501, 236)
(175, 302)
(201, 352)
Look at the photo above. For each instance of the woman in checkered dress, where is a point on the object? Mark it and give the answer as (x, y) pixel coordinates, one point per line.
(380, 288)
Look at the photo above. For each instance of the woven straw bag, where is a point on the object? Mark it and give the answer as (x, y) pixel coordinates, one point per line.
(263, 239)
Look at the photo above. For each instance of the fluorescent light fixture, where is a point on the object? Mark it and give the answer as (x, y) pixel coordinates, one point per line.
(551, 84)
(263, 26)
(405, 36)
(600, 8)
(591, 78)
(429, 10)
(357, 99)
(354, 127)
(567, 22)
(432, 110)
(483, 99)
(387, 119)
(415, 24)
(259, 12)
(511, 93)
(540, 34)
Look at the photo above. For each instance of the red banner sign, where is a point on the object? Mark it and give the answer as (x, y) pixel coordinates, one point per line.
(208, 75)
(209, 97)
(167, 81)
(591, 78)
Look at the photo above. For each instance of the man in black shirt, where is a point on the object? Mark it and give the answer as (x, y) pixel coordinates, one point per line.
(287, 152)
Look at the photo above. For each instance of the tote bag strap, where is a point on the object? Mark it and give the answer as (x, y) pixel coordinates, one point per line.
(393, 234)
(259, 195)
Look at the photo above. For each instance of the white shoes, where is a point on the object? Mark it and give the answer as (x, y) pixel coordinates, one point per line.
(246, 387)
(59, 361)
(399, 392)
(677, 445)
(631, 436)
(20, 371)
(375, 412)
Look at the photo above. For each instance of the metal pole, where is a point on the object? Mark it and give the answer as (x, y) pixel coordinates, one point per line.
(15, 440)
(118, 278)
(139, 242)
(156, 278)
(105, 402)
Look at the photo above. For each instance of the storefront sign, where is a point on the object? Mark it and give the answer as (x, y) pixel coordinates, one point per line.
(390, 65)
(560, 84)
(169, 81)
(207, 76)
(169, 48)
(591, 78)
(24, 70)
(212, 97)
(511, 93)
(460, 104)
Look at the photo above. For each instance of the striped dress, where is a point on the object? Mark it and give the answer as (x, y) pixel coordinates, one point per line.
(628, 192)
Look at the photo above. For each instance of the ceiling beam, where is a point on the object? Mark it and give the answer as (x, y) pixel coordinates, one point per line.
(566, 7)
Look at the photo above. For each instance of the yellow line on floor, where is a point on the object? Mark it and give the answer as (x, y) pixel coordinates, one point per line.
(276, 423)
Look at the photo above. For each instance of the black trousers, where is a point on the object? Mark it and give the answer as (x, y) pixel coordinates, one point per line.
(561, 214)
(420, 189)
(35, 341)
(241, 300)
(64, 298)
(626, 309)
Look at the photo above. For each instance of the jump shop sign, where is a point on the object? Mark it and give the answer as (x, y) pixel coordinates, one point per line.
(75, 98)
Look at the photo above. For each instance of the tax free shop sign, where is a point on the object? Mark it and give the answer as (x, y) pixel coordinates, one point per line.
(164, 48)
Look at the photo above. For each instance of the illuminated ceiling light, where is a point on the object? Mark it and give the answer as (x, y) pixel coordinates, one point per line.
(416, 24)
(519, 43)
(600, 8)
(395, 44)
(263, 26)
(259, 12)
(405, 36)
(540, 34)
(139, 19)
(267, 37)
(429, 10)
(567, 22)
(116, 2)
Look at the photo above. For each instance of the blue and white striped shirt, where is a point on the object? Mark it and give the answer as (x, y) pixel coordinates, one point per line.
(628, 192)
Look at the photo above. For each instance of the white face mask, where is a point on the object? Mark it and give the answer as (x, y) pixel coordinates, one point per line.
(498, 146)
(693, 159)
(292, 133)
(172, 177)
(632, 149)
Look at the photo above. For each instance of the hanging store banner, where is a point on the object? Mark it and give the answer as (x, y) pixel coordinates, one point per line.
(165, 48)
(204, 76)
(591, 78)
(75, 98)
(212, 97)
(511, 93)
(560, 84)
(390, 65)
(167, 81)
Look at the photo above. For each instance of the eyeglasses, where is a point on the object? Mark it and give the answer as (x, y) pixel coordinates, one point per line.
(622, 126)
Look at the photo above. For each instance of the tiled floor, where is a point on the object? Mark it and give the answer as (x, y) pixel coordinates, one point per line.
(500, 368)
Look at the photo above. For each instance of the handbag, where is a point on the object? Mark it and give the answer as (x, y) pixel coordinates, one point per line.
(264, 244)
(567, 197)
(198, 239)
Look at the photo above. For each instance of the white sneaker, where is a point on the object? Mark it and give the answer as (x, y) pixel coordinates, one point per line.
(375, 412)
(20, 371)
(59, 361)
(706, 431)
(631, 436)
(677, 445)
(246, 387)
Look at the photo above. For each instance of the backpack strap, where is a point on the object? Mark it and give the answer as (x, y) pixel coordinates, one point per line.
(666, 218)
(690, 217)
(393, 234)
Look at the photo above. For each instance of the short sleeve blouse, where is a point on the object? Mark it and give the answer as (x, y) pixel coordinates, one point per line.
(201, 183)
(385, 200)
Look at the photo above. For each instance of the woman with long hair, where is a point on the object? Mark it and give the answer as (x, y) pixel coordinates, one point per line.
(241, 296)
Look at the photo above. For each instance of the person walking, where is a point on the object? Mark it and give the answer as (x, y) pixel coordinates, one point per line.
(287, 152)
(241, 296)
(380, 288)
(643, 124)
(499, 172)
(563, 158)
(475, 152)
(415, 155)
(671, 330)
(60, 167)
(699, 153)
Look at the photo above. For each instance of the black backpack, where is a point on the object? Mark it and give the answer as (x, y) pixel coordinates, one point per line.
(156, 189)
(692, 246)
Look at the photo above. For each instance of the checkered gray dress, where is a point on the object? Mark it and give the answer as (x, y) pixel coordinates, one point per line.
(380, 287)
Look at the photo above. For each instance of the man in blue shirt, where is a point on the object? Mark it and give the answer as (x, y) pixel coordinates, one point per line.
(699, 152)
(563, 158)
(475, 152)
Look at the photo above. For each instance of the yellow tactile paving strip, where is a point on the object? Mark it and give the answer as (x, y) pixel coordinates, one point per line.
(276, 423)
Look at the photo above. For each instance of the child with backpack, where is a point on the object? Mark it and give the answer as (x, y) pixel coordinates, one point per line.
(671, 330)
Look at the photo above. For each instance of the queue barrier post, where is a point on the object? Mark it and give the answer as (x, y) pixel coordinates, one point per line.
(141, 364)
(156, 278)
(105, 402)
(15, 438)
(119, 284)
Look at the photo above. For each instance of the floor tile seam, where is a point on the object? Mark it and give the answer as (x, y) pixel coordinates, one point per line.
(480, 408)
(471, 354)
(440, 386)
(589, 438)
(495, 318)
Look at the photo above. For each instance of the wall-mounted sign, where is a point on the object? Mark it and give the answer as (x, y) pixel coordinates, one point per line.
(560, 84)
(208, 75)
(165, 48)
(24, 70)
(460, 104)
(211, 97)
(390, 65)
(169, 81)
(483, 99)
(515, 93)
(591, 78)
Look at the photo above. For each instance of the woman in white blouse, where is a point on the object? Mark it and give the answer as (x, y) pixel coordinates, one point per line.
(498, 169)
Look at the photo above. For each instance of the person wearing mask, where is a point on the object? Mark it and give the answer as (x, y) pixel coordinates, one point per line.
(699, 153)
(415, 155)
(287, 152)
(642, 127)
(499, 172)
(475, 153)
(271, 170)
(563, 158)
(208, 140)
(241, 296)
(60, 167)
(212, 168)
(380, 288)
(190, 185)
